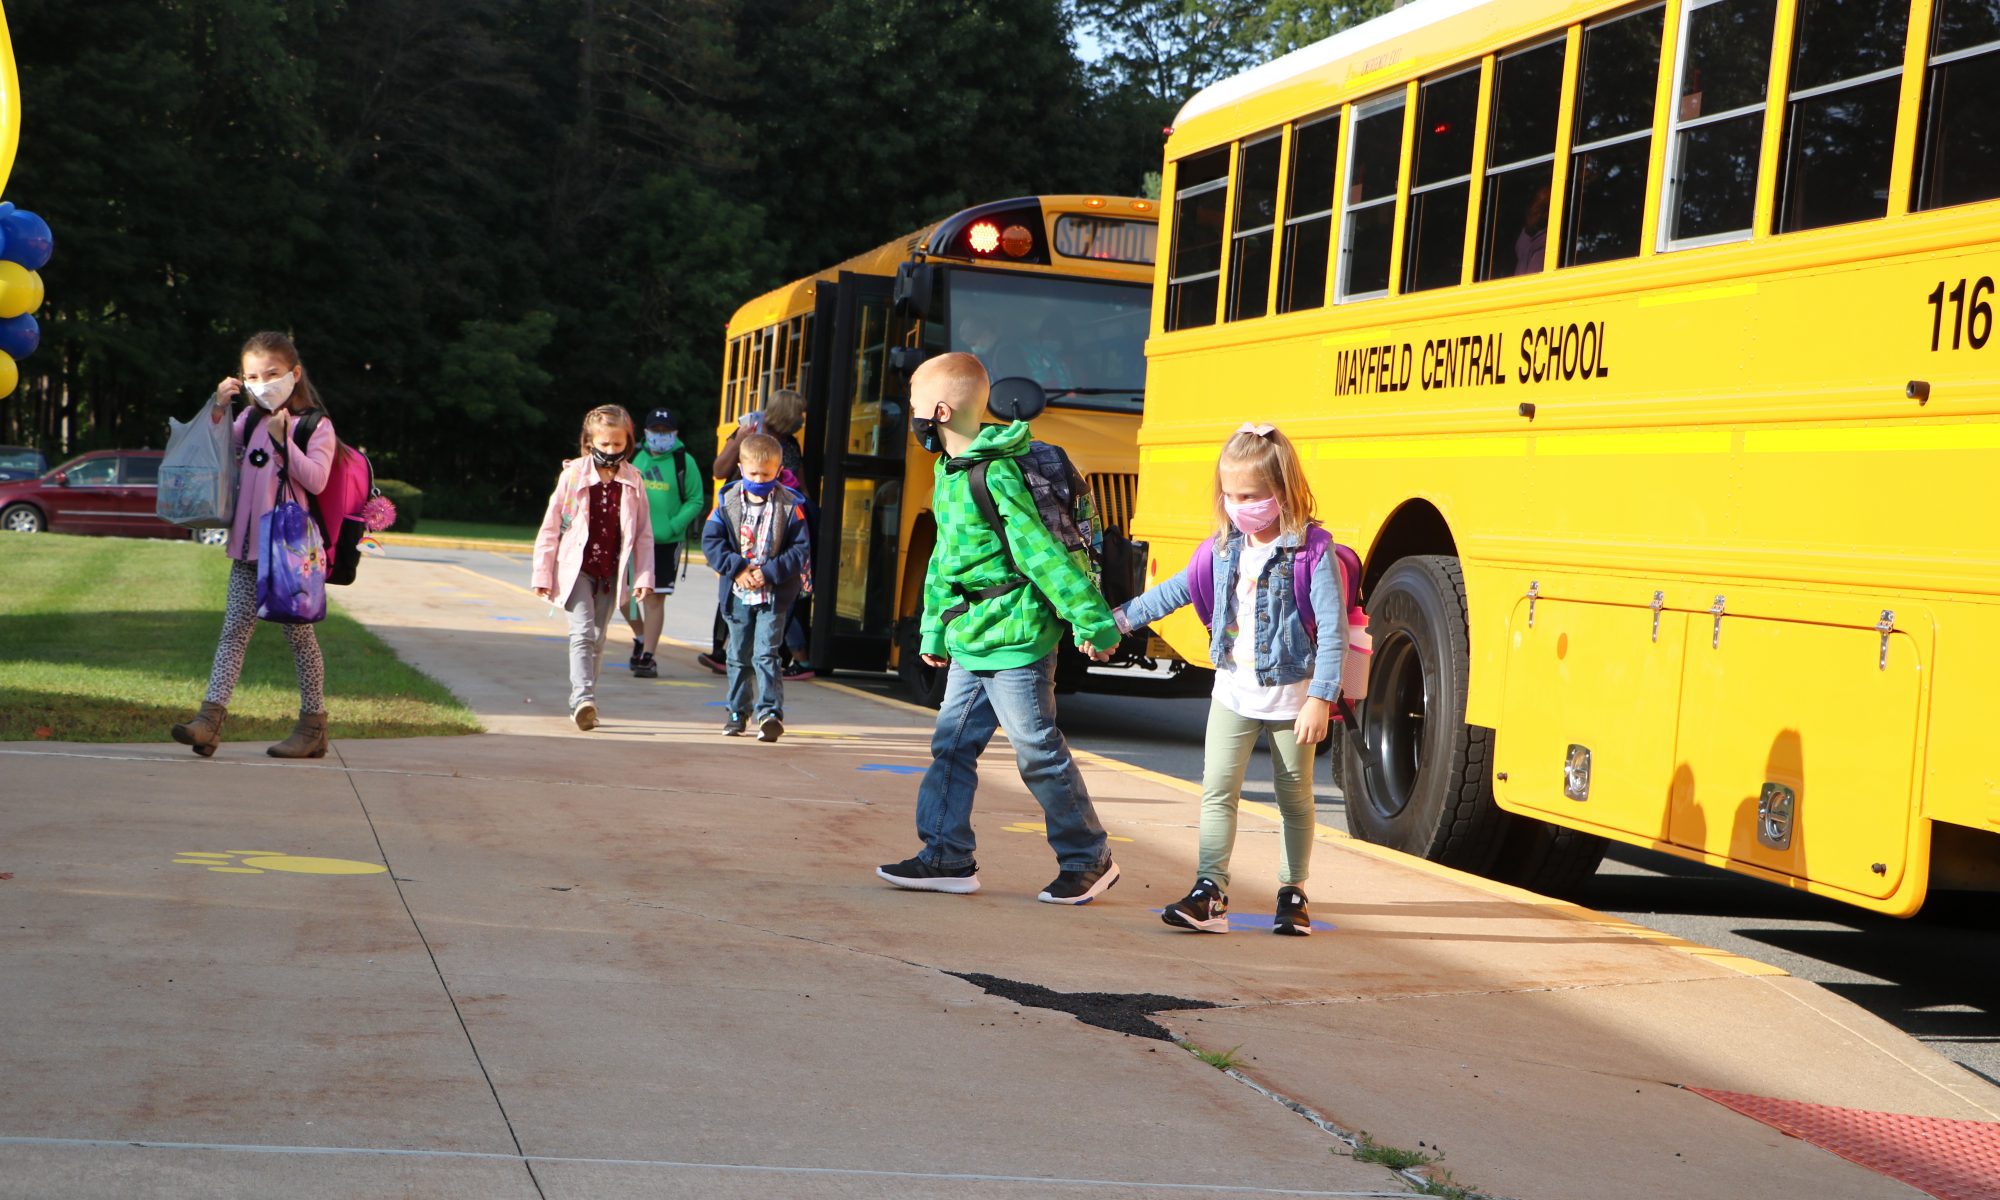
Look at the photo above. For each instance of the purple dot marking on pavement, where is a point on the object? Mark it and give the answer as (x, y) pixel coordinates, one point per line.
(716, 704)
(893, 768)
(1262, 922)
(515, 619)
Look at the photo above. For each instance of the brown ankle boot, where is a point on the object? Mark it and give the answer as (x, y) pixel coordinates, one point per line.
(308, 739)
(203, 731)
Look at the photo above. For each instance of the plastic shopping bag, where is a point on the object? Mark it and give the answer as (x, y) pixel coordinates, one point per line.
(291, 566)
(198, 475)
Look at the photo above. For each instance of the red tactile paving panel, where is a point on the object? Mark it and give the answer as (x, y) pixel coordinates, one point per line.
(1952, 1160)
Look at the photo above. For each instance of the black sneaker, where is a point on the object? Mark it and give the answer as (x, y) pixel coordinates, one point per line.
(638, 652)
(712, 663)
(735, 725)
(1080, 887)
(770, 729)
(1205, 909)
(798, 672)
(646, 668)
(919, 876)
(1292, 918)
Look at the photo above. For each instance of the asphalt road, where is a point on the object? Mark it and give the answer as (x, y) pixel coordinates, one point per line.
(1936, 976)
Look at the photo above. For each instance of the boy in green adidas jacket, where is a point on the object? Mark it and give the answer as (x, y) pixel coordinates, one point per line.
(995, 612)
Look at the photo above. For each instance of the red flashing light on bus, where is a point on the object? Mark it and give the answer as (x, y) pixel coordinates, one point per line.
(984, 237)
(1016, 240)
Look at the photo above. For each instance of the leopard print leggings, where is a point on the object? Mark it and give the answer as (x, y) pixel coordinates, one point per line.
(239, 620)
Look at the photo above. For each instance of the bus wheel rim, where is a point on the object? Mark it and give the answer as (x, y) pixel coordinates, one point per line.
(1393, 723)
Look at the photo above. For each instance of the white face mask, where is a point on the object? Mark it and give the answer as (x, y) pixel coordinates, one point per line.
(271, 393)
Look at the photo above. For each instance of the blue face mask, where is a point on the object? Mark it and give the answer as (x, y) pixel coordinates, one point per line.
(759, 490)
(662, 443)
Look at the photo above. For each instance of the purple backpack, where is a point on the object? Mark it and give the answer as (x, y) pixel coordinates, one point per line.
(1201, 576)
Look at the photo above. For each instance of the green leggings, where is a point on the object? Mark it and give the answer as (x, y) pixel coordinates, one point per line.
(1231, 740)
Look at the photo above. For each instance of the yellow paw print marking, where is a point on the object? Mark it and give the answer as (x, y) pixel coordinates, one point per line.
(693, 683)
(822, 734)
(256, 862)
(1043, 829)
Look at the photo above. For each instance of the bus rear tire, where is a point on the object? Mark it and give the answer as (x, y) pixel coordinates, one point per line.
(1546, 858)
(926, 683)
(1424, 784)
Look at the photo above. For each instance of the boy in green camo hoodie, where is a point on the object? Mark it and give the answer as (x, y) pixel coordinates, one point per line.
(995, 612)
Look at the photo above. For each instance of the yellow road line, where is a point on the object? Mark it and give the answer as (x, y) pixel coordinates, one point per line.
(1327, 833)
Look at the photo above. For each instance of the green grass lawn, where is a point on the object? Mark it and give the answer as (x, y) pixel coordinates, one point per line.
(107, 639)
(484, 530)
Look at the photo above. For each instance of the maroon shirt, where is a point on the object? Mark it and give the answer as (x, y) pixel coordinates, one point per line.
(600, 553)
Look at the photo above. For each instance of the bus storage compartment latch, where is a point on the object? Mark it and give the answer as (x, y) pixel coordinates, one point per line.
(1576, 773)
(1659, 602)
(1715, 638)
(1885, 627)
(1534, 590)
(915, 289)
(1776, 805)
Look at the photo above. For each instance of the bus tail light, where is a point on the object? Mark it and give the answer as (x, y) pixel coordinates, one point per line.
(984, 237)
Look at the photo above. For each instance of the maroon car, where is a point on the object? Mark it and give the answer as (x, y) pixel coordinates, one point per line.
(104, 491)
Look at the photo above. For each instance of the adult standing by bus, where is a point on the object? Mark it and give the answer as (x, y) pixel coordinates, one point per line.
(677, 499)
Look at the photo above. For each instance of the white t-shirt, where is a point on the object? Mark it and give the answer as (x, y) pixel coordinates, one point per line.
(1236, 686)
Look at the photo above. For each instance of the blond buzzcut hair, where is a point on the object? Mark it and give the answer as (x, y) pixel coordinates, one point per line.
(959, 375)
(1273, 460)
(761, 449)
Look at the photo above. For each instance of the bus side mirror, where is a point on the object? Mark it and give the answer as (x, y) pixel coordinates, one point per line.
(916, 287)
(1016, 398)
(906, 359)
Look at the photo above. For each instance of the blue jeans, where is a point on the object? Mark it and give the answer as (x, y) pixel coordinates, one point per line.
(754, 634)
(976, 704)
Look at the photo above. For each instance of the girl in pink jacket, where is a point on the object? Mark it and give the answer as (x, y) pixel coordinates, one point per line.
(596, 547)
(281, 393)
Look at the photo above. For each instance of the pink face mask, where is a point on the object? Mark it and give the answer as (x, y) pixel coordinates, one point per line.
(1254, 516)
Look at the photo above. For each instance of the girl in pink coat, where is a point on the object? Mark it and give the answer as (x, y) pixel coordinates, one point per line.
(280, 392)
(596, 547)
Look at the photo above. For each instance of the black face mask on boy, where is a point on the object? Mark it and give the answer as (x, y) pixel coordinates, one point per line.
(925, 430)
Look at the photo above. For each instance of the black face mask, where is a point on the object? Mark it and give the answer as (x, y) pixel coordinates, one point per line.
(926, 432)
(606, 460)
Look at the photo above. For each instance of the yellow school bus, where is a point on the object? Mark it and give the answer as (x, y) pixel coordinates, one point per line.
(1050, 288)
(1646, 353)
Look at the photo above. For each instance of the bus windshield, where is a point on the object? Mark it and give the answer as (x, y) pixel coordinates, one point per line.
(1083, 341)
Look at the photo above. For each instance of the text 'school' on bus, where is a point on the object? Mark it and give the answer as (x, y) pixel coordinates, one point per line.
(1647, 355)
(1052, 288)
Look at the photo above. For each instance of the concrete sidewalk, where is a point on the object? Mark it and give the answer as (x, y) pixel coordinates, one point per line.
(650, 961)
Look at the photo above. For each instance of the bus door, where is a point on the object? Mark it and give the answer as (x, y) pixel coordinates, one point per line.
(863, 408)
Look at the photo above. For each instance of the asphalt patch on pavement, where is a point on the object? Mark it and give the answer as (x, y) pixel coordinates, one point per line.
(1121, 1012)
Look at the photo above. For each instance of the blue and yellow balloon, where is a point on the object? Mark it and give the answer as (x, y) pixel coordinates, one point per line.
(25, 247)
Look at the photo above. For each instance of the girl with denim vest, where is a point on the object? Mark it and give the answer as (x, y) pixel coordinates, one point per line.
(267, 448)
(1271, 676)
(595, 548)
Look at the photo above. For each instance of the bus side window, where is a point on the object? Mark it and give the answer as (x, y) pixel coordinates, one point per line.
(1520, 158)
(1441, 182)
(1309, 214)
(1374, 155)
(1256, 221)
(1716, 126)
(1840, 114)
(1612, 138)
(1195, 270)
(1961, 131)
